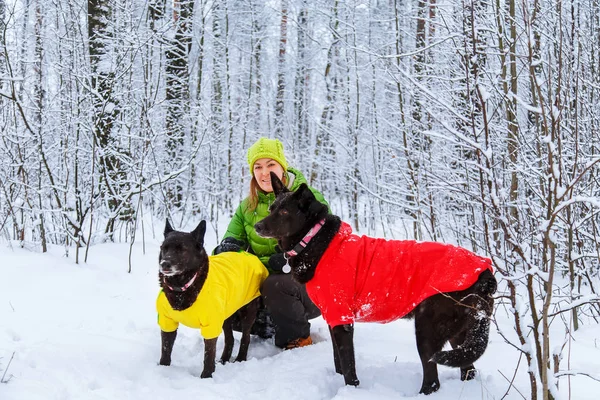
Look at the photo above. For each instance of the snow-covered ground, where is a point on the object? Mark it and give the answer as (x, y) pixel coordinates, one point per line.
(89, 331)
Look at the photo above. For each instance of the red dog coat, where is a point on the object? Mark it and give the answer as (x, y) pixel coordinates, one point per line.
(375, 280)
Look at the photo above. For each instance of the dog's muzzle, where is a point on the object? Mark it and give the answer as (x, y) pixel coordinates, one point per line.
(167, 269)
(259, 227)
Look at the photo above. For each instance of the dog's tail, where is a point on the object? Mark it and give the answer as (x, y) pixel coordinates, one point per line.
(472, 348)
(480, 305)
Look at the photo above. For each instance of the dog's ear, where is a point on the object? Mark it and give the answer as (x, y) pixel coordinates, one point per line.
(278, 186)
(198, 233)
(305, 197)
(168, 228)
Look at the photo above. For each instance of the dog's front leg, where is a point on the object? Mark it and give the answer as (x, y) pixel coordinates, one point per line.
(343, 337)
(210, 353)
(167, 341)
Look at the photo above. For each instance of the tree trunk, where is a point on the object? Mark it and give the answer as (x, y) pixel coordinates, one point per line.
(39, 96)
(511, 113)
(177, 91)
(323, 145)
(282, 70)
(105, 107)
(302, 84)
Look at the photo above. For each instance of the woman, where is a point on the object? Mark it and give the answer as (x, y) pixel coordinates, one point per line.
(285, 299)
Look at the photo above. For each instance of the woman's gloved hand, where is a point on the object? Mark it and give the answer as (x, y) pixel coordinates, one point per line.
(276, 262)
(230, 244)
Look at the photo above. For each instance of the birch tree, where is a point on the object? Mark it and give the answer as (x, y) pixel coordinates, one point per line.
(177, 91)
(281, 68)
(105, 108)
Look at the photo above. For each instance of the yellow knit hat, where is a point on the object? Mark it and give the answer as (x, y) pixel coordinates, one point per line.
(266, 148)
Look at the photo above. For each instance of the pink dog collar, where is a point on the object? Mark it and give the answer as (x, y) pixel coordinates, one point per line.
(185, 287)
(307, 238)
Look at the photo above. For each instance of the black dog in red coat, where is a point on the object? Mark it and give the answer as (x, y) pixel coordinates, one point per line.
(446, 289)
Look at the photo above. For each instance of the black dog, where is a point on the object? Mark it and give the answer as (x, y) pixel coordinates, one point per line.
(446, 289)
(184, 271)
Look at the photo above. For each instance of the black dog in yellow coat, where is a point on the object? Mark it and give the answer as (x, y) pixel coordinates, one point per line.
(203, 292)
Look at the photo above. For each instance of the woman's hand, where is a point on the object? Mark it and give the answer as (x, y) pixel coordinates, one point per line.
(276, 262)
(230, 244)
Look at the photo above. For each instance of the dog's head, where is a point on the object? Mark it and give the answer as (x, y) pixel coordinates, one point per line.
(292, 214)
(181, 252)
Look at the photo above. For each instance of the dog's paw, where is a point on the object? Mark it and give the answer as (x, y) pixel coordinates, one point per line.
(165, 362)
(430, 388)
(206, 374)
(352, 382)
(466, 374)
(223, 361)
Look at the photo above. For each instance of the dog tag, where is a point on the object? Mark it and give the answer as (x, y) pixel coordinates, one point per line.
(286, 268)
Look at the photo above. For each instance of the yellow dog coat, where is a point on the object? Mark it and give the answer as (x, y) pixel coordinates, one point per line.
(233, 280)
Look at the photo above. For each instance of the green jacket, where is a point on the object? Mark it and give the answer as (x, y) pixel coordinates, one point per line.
(241, 226)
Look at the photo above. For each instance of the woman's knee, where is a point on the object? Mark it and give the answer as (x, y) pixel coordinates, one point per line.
(279, 285)
(271, 285)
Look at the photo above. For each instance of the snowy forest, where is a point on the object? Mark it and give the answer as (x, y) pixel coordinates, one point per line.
(466, 121)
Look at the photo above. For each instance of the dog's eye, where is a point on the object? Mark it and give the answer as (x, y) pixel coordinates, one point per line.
(283, 212)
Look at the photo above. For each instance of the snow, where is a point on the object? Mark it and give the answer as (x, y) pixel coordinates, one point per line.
(89, 331)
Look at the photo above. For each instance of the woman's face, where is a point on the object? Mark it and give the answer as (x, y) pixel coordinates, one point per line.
(262, 169)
